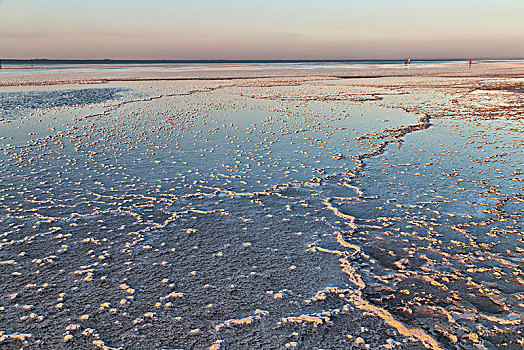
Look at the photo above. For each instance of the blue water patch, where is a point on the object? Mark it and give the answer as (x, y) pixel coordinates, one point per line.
(15, 104)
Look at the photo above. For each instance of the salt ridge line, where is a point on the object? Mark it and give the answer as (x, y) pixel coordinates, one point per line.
(428, 341)
(418, 333)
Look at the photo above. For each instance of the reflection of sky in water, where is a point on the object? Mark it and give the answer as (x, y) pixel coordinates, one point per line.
(200, 138)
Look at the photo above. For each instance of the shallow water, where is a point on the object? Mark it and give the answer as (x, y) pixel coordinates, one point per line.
(255, 213)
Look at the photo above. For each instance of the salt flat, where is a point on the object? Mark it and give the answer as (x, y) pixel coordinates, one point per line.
(263, 207)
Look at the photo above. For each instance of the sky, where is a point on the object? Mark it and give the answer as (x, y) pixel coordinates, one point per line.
(255, 29)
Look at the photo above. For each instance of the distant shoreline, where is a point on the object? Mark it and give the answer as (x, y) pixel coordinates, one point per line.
(45, 61)
(101, 72)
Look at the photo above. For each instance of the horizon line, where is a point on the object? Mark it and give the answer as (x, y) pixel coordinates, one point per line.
(259, 59)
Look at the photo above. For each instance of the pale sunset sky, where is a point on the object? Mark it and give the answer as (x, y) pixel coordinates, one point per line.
(254, 29)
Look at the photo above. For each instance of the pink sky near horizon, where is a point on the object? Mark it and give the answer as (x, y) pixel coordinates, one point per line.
(234, 29)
